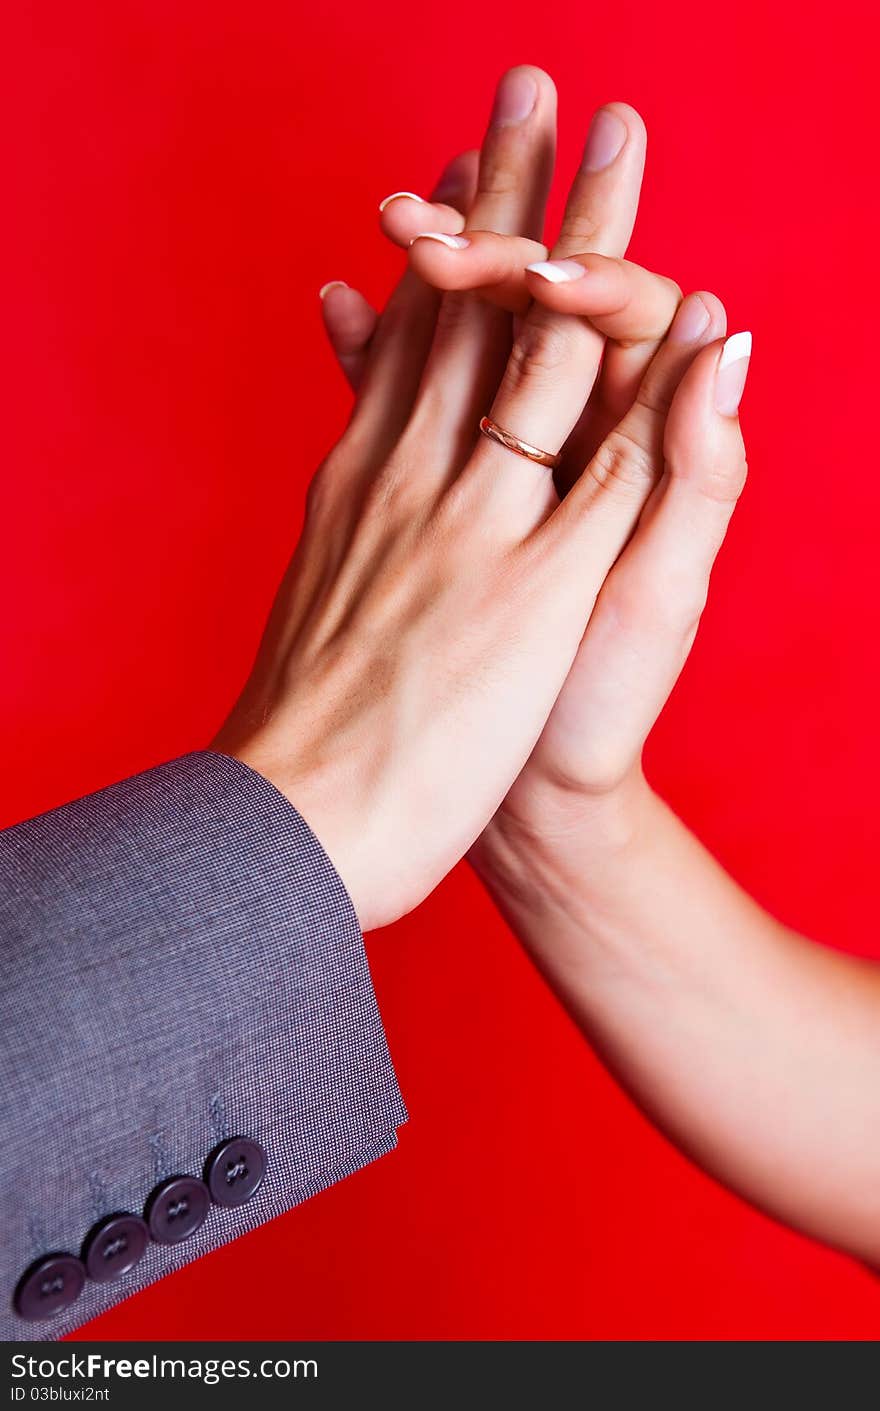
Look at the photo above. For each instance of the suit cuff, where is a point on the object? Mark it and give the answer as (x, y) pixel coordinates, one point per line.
(200, 974)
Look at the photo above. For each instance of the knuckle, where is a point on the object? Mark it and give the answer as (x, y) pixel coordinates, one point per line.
(656, 393)
(667, 296)
(540, 348)
(722, 481)
(623, 466)
(726, 480)
(580, 231)
(499, 175)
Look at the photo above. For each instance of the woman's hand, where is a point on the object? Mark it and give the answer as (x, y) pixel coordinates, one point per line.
(746, 1043)
(437, 600)
(582, 790)
(647, 613)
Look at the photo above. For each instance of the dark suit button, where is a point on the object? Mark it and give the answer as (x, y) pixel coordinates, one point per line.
(114, 1246)
(177, 1208)
(234, 1171)
(52, 1283)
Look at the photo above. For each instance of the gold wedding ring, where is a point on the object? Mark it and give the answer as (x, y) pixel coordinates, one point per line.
(510, 442)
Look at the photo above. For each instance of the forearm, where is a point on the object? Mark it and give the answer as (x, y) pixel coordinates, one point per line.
(756, 1050)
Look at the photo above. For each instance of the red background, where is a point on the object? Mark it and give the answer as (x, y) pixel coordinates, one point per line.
(181, 179)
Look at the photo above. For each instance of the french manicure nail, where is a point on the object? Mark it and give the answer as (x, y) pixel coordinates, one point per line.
(557, 271)
(605, 139)
(733, 367)
(398, 195)
(333, 284)
(454, 242)
(515, 98)
(691, 320)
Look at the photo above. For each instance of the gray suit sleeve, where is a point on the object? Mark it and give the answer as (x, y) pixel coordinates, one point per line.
(181, 966)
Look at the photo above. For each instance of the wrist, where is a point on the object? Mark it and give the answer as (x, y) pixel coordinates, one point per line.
(567, 849)
(315, 790)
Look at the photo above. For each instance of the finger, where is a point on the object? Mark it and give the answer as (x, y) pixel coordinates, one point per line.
(649, 608)
(517, 156)
(350, 322)
(631, 306)
(489, 264)
(621, 299)
(603, 507)
(604, 199)
(389, 367)
(686, 519)
(624, 302)
(703, 442)
(600, 216)
(405, 214)
(408, 215)
(473, 338)
(554, 360)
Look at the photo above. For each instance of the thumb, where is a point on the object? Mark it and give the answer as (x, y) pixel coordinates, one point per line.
(702, 444)
(682, 527)
(646, 616)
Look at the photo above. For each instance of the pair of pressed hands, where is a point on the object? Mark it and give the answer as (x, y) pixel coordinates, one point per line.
(456, 650)
(468, 652)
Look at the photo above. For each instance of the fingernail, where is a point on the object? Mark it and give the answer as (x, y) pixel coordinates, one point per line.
(557, 271)
(333, 284)
(605, 139)
(515, 98)
(454, 242)
(691, 320)
(398, 195)
(733, 367)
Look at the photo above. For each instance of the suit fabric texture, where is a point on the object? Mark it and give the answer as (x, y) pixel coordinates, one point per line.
(181, 965)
